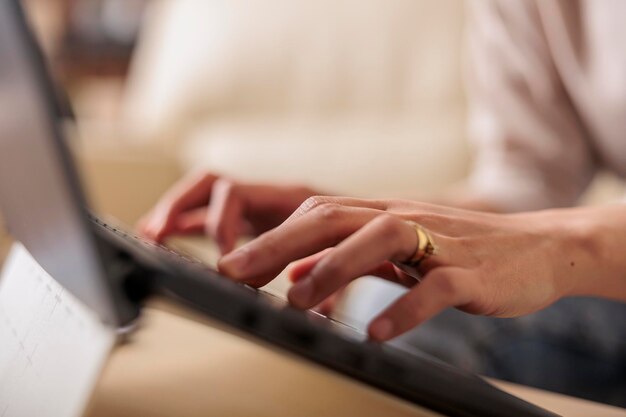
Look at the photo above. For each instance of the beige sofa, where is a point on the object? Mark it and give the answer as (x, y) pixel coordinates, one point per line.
(354, 97)
(357, 97)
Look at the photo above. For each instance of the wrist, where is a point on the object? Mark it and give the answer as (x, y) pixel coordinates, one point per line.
(579, 254)
(592, 242)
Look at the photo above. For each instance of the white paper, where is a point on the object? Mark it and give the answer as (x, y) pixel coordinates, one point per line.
(52, 347)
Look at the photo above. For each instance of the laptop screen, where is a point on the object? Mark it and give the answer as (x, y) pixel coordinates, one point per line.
(40, 197)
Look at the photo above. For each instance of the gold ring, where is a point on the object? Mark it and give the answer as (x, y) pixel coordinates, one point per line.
(425, 248)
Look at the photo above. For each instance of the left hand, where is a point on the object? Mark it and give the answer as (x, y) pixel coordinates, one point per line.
(490, 264)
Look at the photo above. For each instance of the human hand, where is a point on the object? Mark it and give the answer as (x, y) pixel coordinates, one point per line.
(490, 264)
(220, 207)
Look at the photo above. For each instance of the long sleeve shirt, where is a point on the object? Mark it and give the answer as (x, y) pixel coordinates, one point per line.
(547, 92)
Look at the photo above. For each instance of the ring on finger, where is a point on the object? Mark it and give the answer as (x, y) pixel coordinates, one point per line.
(425, 248)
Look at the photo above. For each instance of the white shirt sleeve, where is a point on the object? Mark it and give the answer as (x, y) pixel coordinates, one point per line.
(531, 148)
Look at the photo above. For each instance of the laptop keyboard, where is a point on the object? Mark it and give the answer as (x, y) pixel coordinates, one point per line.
(274, 299)
(147, 243)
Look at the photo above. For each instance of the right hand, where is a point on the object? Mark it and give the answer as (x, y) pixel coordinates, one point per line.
(220, 207)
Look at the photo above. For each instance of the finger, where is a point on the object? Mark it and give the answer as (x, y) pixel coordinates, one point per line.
(271, 252)
(384, 238)
(299, 269)
(191, 222)
(224, 216)
(386, 270)
(141, 225)
(441, 288)
(187, 223)
(154, 227)
(191, 192)
(327, 306)
(302, 267)
(390, 272)
(314, 202)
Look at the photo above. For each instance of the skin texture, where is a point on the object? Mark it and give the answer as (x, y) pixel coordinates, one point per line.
(222, 208)
(485, 263)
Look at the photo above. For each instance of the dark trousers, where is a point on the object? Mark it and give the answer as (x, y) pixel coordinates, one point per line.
(576, 347)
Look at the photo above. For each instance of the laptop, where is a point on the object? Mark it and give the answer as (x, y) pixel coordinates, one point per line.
(113, 273)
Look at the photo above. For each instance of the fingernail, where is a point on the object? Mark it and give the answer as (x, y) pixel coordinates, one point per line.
(302, 292)
(381, 329)
(234, 263)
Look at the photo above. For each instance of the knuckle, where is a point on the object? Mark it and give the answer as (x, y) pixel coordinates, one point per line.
(313, 203)
(389, 225)
(328, 208)
(329, 211)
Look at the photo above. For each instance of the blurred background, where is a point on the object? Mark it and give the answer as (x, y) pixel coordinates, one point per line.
(354, 97)
(357, 97)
